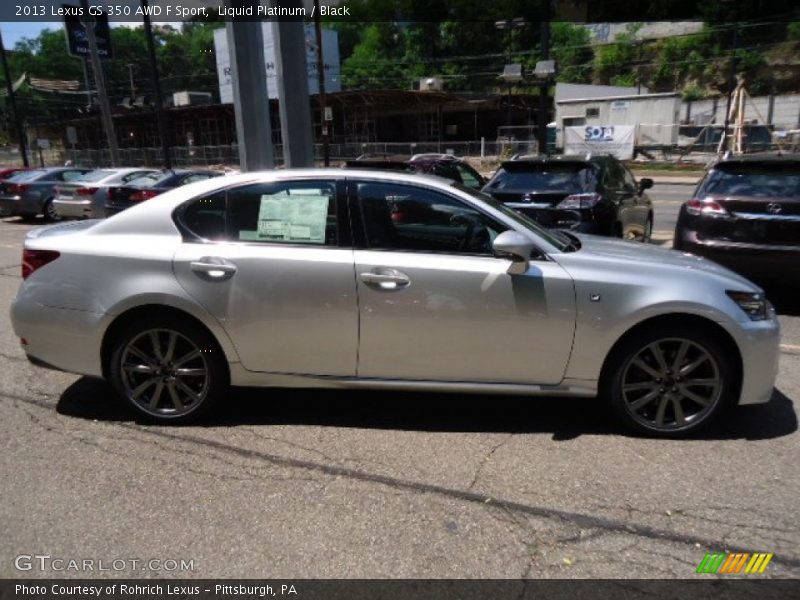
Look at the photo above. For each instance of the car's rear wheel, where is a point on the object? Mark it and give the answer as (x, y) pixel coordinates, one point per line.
(49, 211)
(168, 370)
(669, 381)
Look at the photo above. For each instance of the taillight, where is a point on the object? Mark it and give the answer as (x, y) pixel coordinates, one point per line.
(142, 195)
(574, 201)
(86, 191)
(705, 206)
(36, 259)
(16, 188)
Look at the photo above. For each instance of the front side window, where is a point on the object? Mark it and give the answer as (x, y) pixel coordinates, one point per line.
(403, 217)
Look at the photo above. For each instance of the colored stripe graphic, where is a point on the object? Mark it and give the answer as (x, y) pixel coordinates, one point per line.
(734, 563)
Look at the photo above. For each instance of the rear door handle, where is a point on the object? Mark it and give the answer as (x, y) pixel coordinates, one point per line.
(213, 268)
(386, 279)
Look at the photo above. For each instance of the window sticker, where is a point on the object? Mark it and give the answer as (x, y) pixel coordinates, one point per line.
(293, 218)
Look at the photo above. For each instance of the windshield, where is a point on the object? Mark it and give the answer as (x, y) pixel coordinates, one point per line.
(548, 177)
(761, 181)
(550, 236)
(95, 175)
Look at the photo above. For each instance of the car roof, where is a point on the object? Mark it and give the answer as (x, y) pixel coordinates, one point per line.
(571, 159)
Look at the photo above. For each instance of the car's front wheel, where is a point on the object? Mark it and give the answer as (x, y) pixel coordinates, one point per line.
(669, 381)
(168, 370)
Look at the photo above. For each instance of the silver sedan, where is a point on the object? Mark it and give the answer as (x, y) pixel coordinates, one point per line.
(361, 279)
(86, 196)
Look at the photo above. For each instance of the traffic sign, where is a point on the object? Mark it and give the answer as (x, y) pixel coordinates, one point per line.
(77, 40)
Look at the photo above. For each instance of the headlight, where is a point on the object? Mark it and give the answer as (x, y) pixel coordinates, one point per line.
(754, 304)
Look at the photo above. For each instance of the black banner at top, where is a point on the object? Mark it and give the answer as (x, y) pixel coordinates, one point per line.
(586, 11)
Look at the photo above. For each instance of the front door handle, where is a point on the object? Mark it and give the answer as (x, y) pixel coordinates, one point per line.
(213, 268)
(386, 279)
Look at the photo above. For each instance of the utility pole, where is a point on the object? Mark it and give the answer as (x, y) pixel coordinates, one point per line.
(161, 120)
(133, 87)
(321, 79)
(100, 83)
(12, 104)
(544, 99)
(731, 87)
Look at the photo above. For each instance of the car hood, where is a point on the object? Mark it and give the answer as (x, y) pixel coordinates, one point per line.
(653, 258)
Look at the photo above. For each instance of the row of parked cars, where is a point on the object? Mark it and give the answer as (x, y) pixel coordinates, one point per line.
(74, 192)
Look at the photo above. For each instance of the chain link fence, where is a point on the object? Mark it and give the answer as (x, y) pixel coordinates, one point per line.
(228, 156)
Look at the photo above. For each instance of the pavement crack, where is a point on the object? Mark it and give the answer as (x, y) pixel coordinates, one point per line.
(486, 460)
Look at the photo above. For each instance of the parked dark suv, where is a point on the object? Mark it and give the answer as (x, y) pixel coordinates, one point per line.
(442, 165)
(745, 214)
(594, 194)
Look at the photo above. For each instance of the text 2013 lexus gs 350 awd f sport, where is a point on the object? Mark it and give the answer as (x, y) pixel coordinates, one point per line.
(362, 279)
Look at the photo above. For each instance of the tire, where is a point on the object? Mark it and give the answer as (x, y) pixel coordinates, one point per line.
(654, 397)
(169, 370)
(50, 213)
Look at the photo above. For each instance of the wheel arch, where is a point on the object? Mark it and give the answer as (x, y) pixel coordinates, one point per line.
(683, 319)
(149, 311)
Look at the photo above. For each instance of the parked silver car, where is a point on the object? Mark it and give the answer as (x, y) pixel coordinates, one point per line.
(366, 279)
(86, 196)
(31, 193)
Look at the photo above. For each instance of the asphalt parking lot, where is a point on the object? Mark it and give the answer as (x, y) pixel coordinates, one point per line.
(288, 483)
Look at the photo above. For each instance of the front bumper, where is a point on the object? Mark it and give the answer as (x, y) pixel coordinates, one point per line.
(73, 209)
(759, 345)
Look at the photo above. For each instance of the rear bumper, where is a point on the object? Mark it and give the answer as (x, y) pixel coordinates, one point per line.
(580, 220)
(74, 209)
(63, 339)
(759, 262)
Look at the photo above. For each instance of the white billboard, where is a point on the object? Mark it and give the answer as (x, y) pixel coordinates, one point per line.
(330, 54)
(617, 140)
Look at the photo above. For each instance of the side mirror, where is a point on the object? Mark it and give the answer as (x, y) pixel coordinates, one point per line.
(645, 184)
(516, 247)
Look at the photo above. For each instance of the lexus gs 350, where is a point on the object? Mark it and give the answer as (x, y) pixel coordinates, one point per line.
(362, 279)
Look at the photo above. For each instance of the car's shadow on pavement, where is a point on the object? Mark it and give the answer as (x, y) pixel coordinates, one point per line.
(564, 418)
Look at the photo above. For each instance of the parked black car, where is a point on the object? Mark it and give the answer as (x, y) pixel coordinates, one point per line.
(149, 186)
(441, 165)
(745, 214)
(595, 194)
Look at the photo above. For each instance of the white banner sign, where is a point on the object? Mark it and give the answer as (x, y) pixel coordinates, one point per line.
(617, 140)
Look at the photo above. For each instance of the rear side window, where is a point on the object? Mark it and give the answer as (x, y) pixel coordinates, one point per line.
(753, 180)
(71, 175)
(546, 177)
(468, 177)
(297, 212)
